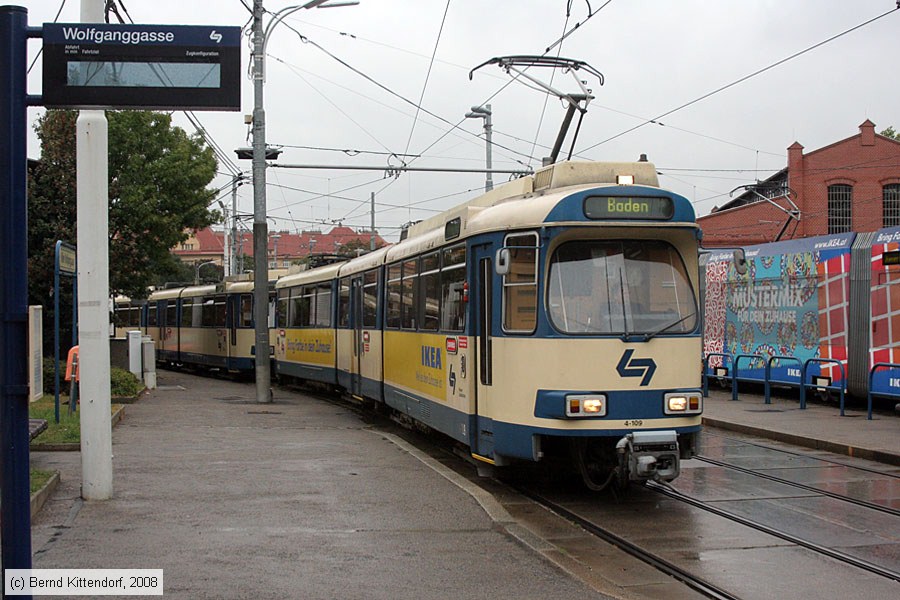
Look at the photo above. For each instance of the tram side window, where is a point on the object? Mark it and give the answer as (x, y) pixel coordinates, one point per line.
(520, 284)
(187, 312)
(344, 303)
(221, 308)
(370, 299)
(322, 314)
(151, 316)
(393, 296)
(299, 315)
(453, 279)
(171, 314)
(409, 295)
(281, 308)
(246, 308)
(209, 311)
(429, 298)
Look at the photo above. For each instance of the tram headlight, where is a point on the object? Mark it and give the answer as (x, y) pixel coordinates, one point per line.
(586, 405)
(683, 403)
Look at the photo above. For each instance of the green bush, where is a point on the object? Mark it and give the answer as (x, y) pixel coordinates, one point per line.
(48, 376)
(124, 383)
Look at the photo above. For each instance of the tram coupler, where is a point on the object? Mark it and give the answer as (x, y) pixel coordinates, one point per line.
(649, 455)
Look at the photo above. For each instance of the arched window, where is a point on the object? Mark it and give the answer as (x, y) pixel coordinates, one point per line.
(840, 196)
(890, 195)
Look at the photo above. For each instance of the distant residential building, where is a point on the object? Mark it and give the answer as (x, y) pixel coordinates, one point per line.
(283, 247)
(850, 185)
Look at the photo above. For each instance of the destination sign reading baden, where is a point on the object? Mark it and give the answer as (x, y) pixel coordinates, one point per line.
(187, 67)
(628, 207)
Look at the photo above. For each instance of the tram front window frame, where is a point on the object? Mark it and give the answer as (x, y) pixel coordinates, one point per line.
(621, 288)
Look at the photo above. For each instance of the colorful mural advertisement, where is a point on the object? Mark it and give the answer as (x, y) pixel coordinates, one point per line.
(885, 311)
(791, 302)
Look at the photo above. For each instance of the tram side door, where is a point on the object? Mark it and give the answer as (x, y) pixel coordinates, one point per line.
(481, 435)
(356, 323)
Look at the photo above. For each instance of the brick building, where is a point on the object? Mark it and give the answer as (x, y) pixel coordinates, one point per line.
(850, 185)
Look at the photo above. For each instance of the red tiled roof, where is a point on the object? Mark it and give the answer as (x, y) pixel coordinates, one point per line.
(290, 245)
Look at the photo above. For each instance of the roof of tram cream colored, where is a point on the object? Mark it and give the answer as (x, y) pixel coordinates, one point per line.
(325, 273)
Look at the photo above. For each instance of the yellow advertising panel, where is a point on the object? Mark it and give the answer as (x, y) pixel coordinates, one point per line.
(311, 346)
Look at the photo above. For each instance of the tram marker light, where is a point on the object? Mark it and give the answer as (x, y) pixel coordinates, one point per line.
(625, 179)
(586, 405)
(681, 402)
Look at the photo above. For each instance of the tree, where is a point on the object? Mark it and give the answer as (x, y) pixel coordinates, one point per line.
(357, 246)
(157, 191)
(889, 132)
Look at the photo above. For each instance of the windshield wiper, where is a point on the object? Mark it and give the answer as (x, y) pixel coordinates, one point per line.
(668, 326)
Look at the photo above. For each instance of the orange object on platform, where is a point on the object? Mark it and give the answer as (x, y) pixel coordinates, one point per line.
(72, 362)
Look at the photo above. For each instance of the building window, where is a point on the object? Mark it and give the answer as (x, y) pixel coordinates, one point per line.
(840, 197)
(891, 196)
(187, 246)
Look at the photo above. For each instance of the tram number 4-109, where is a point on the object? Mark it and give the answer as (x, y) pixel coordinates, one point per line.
(634, 423)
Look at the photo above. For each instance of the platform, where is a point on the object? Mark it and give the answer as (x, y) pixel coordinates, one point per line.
(818, 426)
(296, 499)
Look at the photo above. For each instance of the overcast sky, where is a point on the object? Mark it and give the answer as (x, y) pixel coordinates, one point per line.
(655, 56)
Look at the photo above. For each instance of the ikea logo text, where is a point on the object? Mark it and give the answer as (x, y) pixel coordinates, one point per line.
(431, 357)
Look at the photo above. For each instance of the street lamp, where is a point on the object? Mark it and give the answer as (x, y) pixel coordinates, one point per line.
(260, 227)
(275, 238)
(197, 270)
(484, 112)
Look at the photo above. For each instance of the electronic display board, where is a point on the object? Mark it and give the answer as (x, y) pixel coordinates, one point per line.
(163, 67)
(628, 207)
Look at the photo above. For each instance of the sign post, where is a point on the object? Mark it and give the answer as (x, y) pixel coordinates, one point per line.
(15, 496)
(64, 263)
(87, 66)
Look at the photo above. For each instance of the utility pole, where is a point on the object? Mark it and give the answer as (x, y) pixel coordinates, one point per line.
(484, 112)
(372, 235)
(92, 167)
(260, 226)
(234, 186)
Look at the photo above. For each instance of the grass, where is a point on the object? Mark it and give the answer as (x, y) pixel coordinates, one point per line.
(67, 431)
(39, 479)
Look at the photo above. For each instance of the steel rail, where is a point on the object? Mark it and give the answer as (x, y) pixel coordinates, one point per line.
(835, 554)
(802, 486)
(696, 583)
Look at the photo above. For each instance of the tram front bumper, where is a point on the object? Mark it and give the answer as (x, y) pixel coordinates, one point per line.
(649, 455)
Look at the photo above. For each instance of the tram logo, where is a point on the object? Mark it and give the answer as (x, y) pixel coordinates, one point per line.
(638, 367)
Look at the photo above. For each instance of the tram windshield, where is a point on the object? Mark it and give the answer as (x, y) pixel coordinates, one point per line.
(620, 287)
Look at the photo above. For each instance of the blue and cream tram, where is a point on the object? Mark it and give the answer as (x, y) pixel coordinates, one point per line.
(555, 313)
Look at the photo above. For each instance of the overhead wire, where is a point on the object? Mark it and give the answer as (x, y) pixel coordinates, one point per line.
(740, 80)
(437, 42)
(41, 49)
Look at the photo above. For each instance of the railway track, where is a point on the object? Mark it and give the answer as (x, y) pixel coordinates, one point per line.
(696, 583)
(788, 537)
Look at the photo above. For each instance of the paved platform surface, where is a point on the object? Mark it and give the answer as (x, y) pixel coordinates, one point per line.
(819, 426)
(296, 499)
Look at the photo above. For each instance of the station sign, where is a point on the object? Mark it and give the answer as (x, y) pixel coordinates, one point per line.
(157, 67)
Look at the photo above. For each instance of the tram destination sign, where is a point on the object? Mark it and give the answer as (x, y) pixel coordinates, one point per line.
(161, 67)
(628, 207)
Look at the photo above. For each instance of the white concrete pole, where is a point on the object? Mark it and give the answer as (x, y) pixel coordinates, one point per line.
(93, 291)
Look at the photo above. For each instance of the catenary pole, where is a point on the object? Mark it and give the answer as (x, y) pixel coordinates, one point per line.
(260, 227)
(92, 145)
(15, 504)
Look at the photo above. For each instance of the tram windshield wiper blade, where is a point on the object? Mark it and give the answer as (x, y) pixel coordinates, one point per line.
(668, 326)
